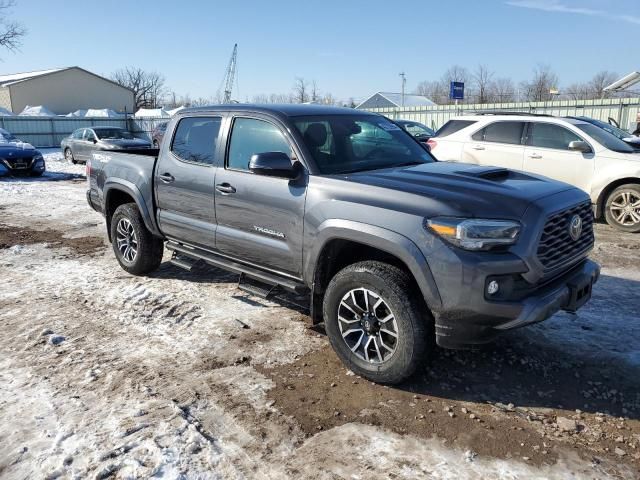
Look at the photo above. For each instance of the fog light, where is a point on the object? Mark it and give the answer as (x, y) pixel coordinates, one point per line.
(493, 287)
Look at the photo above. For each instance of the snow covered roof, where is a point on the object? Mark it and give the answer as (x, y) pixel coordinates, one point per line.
(37, 111)
(173, 111)
(152, 112)
(5, 113)
(391, 99)
(20, 77)
(102, 112)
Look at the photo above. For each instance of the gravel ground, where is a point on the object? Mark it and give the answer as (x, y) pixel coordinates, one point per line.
(181, 375)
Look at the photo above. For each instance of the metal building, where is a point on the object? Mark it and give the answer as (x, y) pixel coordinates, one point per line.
(394, 100)
(63, 90)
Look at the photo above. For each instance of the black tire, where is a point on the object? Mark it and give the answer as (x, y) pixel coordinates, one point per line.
(615, 204)
(68, 155)
(155, 143)
(413, 321)
(148, 248)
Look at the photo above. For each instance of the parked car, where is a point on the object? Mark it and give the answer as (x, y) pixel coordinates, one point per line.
(158, 133)
(566, 149)
(395, 250)
(18, 157)
(417, 129)
(78, 146)
(626, 137)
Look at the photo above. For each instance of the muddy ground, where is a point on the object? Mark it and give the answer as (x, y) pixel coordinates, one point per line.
(181, 375)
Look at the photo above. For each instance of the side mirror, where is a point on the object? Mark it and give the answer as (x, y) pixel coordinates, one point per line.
(274, 164)
(580, 146)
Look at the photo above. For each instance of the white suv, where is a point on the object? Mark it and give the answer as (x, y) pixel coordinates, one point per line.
(565, 149)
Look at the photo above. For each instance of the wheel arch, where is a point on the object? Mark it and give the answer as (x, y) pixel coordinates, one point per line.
(340, 243)
(119, 192)
(604, 193)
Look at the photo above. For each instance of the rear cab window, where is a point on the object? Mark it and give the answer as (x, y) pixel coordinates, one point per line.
(196, 138)
(453, 126)
(501, 132)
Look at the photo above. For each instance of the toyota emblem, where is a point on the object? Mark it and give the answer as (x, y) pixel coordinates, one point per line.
(575, 227)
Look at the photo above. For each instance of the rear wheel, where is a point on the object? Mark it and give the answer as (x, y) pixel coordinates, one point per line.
(155, 143)
(136, 249)
(68, 156)
(375, 321)
(622, 208)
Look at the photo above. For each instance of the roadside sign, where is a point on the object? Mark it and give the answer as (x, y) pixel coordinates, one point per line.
(456, 91)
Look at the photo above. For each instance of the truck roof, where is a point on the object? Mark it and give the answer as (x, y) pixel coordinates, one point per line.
(288, 109)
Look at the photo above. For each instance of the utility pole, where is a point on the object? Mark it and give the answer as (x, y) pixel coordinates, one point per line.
(404, 82)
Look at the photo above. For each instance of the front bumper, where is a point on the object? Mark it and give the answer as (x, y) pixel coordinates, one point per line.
(461, 328)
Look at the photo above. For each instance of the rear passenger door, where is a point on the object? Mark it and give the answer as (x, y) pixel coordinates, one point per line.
(259, 218)
(547, 153)
(498, 144)
(184, 181)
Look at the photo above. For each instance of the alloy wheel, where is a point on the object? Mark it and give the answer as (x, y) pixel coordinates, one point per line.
(367, 325)
(126, 240)
(625, 208)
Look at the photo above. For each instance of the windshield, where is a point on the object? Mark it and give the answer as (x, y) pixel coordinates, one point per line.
(618, 132)
(417, 129)
(352, 143)
(605, 138)
(113, 134)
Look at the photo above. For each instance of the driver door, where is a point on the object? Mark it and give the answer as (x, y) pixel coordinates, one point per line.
(259, 218)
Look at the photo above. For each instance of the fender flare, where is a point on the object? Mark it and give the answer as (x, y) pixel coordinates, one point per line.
(132, 190)
(383, 239)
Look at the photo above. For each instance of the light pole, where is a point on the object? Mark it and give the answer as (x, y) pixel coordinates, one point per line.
(404, 81)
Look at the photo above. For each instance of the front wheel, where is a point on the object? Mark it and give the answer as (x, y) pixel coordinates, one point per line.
(136, 249)
(622, 208)
(68, 156)
(375, 321)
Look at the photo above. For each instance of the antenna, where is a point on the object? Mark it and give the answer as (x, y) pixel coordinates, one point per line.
(404, 82)
(230, 75)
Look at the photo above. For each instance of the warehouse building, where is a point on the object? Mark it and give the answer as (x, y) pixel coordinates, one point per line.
(391, 100)
(63, 90)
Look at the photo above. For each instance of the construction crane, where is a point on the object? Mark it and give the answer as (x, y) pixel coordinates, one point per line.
(230, 75)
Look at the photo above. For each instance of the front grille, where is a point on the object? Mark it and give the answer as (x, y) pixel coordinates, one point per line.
(556, 247)
(12, 162)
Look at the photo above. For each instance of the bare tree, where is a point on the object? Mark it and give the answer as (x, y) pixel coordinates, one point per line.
(540, 86)
(148, 87)
(599, 81)
(503, 90)
(11, 32)
(315, 94)
(576, 91)
(482, 82)
(301, 90)
(435, 91)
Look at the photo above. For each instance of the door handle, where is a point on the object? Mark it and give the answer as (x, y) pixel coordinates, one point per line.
(478, 147)
(535, 155)
(166, 177)
(225, 188)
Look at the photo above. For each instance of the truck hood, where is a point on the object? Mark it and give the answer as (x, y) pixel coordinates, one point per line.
(464, 189)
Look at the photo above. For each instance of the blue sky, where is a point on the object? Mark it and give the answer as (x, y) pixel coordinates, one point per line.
(350, 47)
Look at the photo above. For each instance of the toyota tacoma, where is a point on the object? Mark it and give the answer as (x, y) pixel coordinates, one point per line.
(396, 250)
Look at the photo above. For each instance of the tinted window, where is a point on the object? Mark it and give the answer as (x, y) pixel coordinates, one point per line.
(605, 138)
(548, 135)
(113, 134)
(417, 129)
(501, 132)
(195, 139)
(350, 143)
(251, 136)
(452, 126)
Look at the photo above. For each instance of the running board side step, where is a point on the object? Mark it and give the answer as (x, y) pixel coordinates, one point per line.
(246, 271)
(184, 262)
(257, 287)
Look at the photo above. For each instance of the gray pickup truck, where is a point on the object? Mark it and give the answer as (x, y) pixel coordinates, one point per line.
(395, 249)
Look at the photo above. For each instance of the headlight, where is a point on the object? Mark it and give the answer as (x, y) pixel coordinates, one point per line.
(475, 234)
